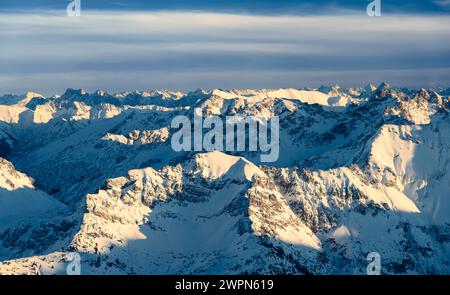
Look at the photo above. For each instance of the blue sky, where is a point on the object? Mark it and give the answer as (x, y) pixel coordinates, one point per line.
(183, 45)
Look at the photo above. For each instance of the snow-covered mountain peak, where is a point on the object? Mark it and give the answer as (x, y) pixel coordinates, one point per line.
(19, 100)
(214, 165)
(99, 92)
(10, 179)
(384, 91)
(71, 93)
(31, 94)
(384, 86)
(370, 87)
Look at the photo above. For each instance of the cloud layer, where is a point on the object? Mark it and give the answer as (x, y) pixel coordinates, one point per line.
(115, 51)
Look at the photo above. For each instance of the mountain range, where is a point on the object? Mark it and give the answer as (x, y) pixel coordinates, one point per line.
(360, 170)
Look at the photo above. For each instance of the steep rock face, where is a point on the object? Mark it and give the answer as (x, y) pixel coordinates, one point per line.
(421, 107)
(354, 214)
(138, 137)
(215, 222)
